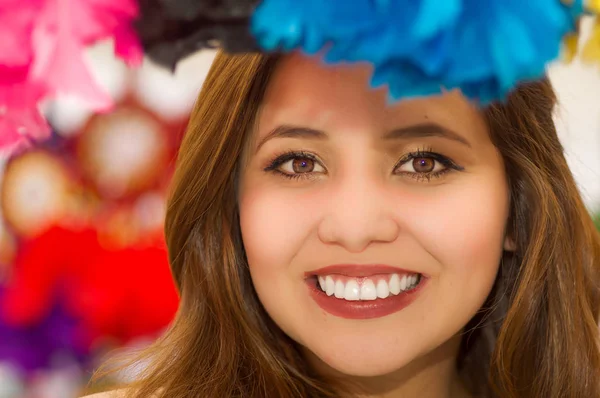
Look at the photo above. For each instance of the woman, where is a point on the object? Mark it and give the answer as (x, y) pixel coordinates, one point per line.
(327, 244)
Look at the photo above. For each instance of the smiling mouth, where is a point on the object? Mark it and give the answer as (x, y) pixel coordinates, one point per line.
(365, 297)
(367, 288)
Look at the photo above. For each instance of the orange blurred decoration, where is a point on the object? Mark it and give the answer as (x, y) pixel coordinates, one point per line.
(123, 153)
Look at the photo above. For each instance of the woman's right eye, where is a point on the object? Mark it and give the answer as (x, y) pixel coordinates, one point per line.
(301, 165)
(296, 165)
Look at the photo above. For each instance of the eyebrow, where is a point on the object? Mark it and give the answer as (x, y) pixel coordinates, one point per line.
(414, 131)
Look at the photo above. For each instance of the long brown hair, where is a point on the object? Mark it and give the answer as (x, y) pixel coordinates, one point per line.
(537, 335)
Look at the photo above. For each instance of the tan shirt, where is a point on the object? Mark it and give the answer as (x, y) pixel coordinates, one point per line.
(107, 394)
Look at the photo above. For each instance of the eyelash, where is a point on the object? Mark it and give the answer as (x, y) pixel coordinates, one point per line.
(287, 156)
(448, 164)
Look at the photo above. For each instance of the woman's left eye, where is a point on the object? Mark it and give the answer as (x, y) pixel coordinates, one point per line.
(421, 165)
(425, 165)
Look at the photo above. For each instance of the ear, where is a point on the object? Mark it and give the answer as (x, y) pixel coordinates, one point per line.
(509, 244)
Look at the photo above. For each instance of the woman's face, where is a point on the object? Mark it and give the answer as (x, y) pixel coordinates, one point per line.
(373, 232)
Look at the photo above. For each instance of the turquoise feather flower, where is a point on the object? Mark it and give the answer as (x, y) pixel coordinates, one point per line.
(484, 48)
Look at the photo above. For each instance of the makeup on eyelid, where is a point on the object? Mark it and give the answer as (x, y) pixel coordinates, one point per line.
(421, 158)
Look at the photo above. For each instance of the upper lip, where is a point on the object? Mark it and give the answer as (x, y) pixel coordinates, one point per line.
(360, 270)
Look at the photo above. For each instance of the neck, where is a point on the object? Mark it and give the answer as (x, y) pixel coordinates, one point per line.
(433, 375)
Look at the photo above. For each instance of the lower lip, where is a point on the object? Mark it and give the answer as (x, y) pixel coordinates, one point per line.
(364, 309)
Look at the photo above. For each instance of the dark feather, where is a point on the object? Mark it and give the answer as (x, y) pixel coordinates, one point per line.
(170, 30)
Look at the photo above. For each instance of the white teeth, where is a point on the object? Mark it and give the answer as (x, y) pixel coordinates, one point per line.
(329, 285)
(352, 291)
(404, 283)
(322, 283)
(395, 284)
(367, 290)
(382, 289)
(339, 289)
(417, 279)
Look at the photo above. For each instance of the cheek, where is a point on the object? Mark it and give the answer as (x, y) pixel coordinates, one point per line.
(454, 231)
(463, 229)
(274, 225)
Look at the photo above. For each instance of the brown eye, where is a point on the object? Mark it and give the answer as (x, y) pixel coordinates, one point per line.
(300, 165)
(303, 165)
(423, 165)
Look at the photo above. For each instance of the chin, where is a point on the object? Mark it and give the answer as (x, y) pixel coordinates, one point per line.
(364, 360)
(373, 368)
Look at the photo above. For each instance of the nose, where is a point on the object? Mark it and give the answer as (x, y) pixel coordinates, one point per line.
(358, 214)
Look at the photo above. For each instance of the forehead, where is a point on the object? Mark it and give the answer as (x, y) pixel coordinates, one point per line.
(304, 90)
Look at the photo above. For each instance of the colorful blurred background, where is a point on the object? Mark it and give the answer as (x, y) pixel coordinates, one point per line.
(83, 265)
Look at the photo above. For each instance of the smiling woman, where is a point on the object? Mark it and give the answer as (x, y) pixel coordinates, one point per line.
(328, 244)
(411, 198)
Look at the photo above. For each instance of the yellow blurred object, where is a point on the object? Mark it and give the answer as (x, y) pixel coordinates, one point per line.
(591, 49)
(571, 42)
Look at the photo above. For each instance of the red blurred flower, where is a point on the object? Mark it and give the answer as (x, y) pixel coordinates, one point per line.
(115, 294)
